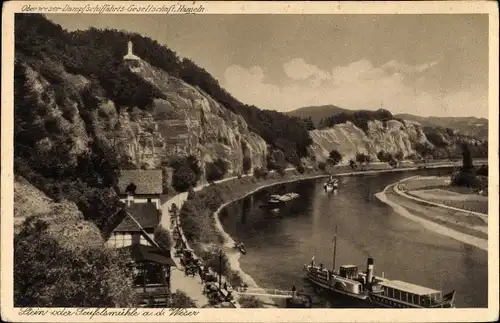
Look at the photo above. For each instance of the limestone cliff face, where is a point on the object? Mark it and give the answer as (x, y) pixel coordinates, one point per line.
(187, 122)
(391, 136)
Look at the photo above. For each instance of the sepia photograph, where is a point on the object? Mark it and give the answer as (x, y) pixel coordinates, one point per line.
(164, 158)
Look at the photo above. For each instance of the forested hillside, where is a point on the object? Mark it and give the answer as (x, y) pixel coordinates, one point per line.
(63, 80)
(97, 54)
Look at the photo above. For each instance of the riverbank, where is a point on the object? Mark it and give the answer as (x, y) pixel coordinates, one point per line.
(437, 191)
(455, 225)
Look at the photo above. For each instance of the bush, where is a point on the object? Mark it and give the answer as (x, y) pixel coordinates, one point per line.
(179, 299)
(162, 238)
(250, 302)
(465, 178)
(260, 173)
(384, 156)
(281, 171)
(192, 228)
(215, 171)
(352, 164)
(183, 178)
(363, 158)
(334, 158)
(301, 169)
(322, 166)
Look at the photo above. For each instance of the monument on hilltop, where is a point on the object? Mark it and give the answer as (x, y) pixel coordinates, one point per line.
(130, 54)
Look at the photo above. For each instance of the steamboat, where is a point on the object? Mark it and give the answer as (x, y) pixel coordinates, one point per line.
(365, 287)
(346, 283)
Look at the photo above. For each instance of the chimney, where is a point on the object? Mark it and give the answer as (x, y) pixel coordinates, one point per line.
(369, 271)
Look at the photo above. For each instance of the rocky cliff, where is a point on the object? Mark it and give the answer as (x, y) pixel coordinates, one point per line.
(186, 122)
(347, 139)
(392, 136)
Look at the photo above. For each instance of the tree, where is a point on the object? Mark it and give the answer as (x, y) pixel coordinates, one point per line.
(363, 158)
(334, 157)
(54, 268)
(215, 171)
(165, 183)
(162, 238)
(399, 156)
(247, 164)
(183, 178)
(352, 164)
(322, 165)
(194, 164)
(384, 156)
(309, 123)
(259, 173)
(467, 164)
(301, 169)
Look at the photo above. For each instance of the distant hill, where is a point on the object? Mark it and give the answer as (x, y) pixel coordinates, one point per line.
(470, 126)
(316, 113)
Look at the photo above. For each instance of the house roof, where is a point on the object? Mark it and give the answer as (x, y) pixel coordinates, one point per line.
(141, 253)
(147, 181)
(145, 214)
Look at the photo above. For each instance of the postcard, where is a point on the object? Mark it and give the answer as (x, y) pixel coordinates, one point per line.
(247, 161)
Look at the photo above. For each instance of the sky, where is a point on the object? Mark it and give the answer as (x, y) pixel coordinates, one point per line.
(429, 65)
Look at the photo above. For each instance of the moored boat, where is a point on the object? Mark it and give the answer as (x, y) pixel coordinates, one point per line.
(241, 248)
(346, 283)
(276, 200)
(373, 290)
(331, 184)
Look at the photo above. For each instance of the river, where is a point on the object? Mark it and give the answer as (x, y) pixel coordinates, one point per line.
(279, 245)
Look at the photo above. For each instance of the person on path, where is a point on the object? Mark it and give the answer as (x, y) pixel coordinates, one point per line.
(294, 290)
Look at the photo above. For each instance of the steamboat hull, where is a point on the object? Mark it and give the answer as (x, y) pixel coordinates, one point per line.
(341, 296)
(387, 302)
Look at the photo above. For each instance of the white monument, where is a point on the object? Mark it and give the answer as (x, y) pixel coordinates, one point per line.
(130, 54)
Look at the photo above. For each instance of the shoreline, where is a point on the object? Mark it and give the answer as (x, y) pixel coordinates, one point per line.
(410, 196)
(234, 256)
(428, 224)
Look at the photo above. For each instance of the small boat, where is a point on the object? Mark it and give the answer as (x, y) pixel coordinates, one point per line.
(241, 248)
(331, 184)
(281, 199)
(288, 197)
(275, 199)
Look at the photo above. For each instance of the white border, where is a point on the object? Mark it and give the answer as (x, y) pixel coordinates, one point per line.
(264, 315)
